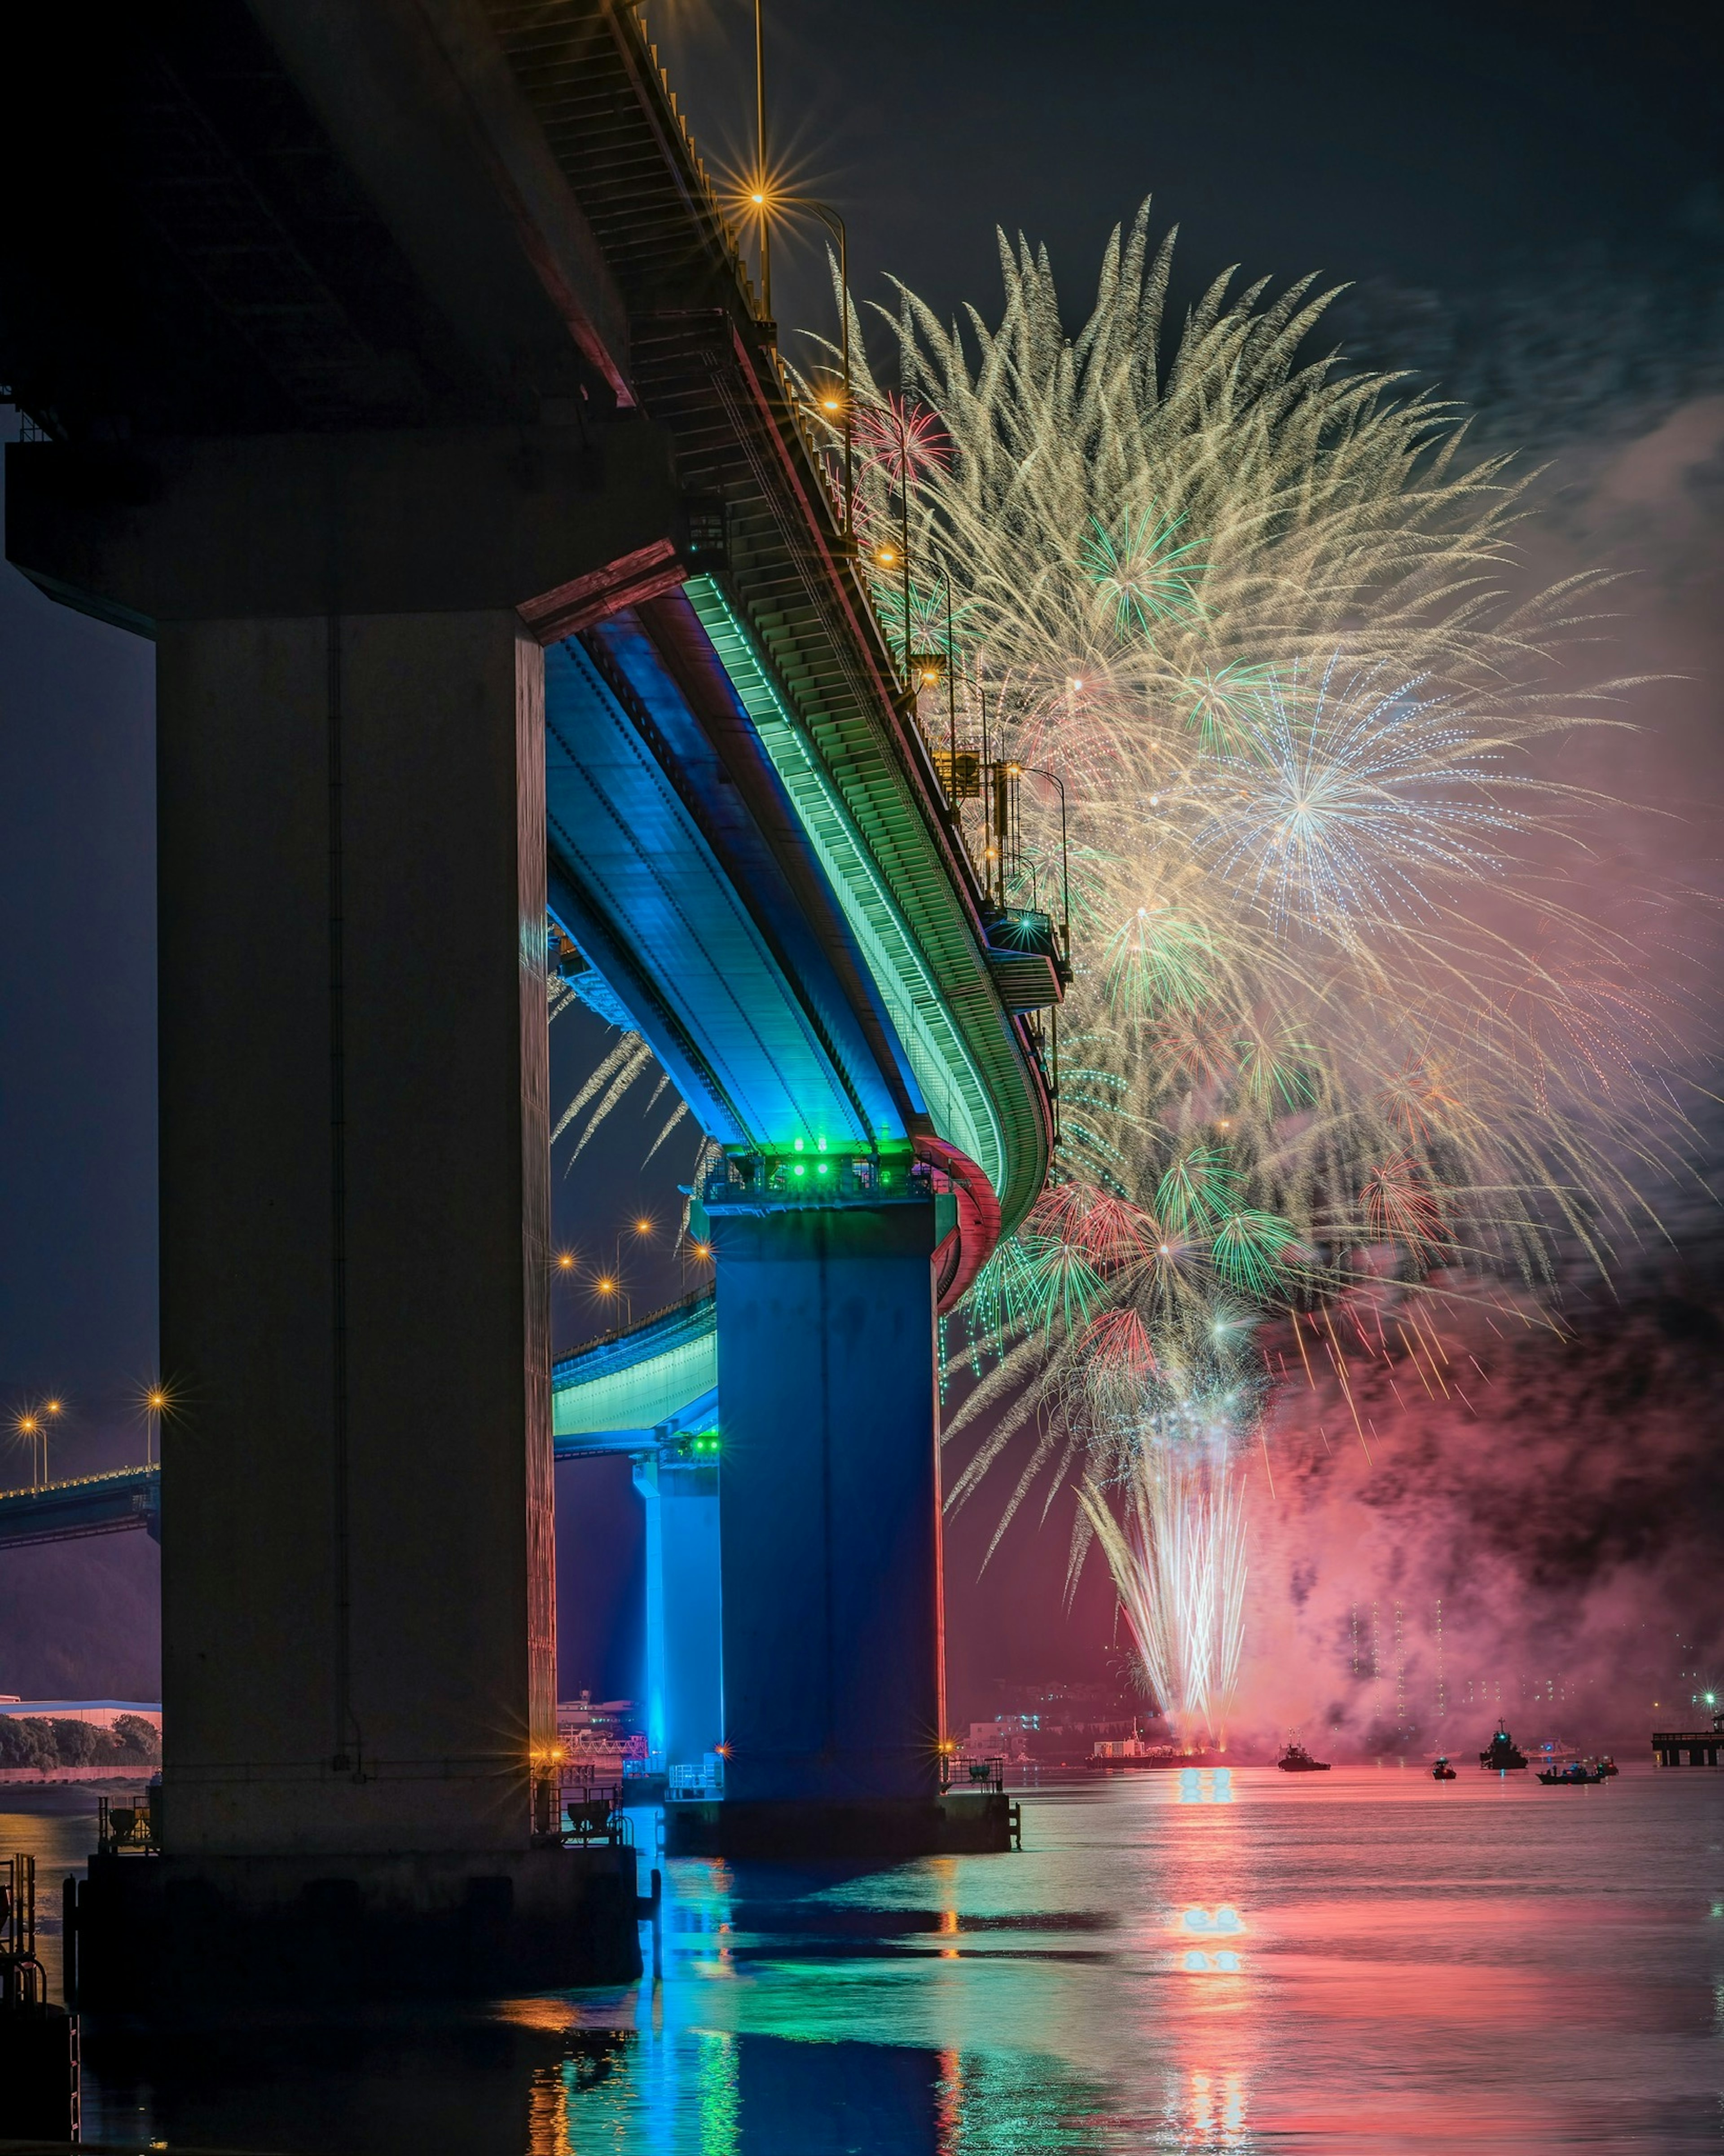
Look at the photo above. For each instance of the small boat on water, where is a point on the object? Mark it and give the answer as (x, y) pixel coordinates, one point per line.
(1442, 1772)
(1503, 1755)
(1114, 1753)
(1296, 1760)
(1606, 1765)
(1575, 1775)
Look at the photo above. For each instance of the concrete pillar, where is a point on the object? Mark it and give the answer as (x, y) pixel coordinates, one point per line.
(358, 1614)
(684, 1686)
(830, 1520)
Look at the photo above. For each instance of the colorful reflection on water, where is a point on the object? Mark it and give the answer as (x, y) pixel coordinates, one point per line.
(1371, 1960)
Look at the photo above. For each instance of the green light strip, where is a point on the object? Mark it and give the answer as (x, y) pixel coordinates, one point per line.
(953, 1087)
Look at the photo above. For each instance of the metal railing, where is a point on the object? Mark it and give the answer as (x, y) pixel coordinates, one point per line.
(23, 1984)
(984, 1777)
(119, 1828)
(817, 1177)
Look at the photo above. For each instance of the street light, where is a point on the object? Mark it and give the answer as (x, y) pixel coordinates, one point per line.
(886, 556)
(155, 1402)
(52, 1410)
(29, 1427)
(830, 217)
(761, 165)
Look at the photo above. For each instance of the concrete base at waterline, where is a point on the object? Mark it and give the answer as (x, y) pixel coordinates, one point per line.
(167, 1934)
(38, 2074)
(881, 1830)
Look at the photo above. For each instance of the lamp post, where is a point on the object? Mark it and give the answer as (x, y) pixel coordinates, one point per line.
(830, 217)
(760, 139)
(29, 1428)
(885, 557)
(950, 695)
(156, 1405)
(1035, 771)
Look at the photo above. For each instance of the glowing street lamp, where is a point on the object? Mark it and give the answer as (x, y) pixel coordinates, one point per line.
(155, 1402)
(29, 1427)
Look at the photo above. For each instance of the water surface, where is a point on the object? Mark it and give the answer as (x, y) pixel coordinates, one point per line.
(1364, 1959)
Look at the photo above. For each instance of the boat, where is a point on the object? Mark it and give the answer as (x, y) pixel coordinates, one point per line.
(1296, 1760)
(1442, 1772)
(1503, 1755)
(1575, 1775)
(1113, 1753)
(1606, 1765)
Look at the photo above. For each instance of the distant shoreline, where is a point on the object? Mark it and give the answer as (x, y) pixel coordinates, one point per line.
(38, 1778)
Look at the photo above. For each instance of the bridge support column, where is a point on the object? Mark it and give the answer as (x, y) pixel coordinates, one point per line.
(358, 1611)
(684, 1686)
(829, 1528)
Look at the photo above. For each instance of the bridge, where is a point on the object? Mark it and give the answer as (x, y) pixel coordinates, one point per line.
(424, 415)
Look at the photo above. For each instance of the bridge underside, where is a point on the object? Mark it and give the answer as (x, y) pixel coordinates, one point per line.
(493, 578)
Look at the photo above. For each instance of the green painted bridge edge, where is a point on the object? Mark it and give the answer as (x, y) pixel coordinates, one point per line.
(914, 933)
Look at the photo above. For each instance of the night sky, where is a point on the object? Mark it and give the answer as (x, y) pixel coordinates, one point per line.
(1528, 203)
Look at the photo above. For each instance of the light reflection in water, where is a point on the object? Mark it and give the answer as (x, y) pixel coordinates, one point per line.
(1380, 1964)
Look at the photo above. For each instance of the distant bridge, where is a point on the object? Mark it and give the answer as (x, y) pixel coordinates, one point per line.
(647, 1387)
(111, 1503)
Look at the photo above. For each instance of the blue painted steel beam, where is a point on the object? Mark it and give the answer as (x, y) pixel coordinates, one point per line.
(777, 1053)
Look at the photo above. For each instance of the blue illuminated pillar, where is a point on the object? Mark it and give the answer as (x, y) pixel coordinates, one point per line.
(684, 1684)
(830, 1523)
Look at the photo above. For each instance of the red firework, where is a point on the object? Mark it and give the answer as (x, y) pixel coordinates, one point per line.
(1118, 1344)
(1400, 1206)
(896, 436)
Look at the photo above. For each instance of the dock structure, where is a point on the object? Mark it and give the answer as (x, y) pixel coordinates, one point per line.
(1689, 1747)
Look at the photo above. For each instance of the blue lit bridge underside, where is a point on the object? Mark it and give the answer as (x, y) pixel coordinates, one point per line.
(707, 863)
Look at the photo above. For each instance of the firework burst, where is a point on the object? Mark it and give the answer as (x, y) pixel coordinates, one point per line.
(1252, 608)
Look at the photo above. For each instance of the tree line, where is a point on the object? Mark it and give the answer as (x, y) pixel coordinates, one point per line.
(40, 1740)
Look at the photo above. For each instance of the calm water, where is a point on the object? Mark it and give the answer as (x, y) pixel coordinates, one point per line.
(1365, 1960)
